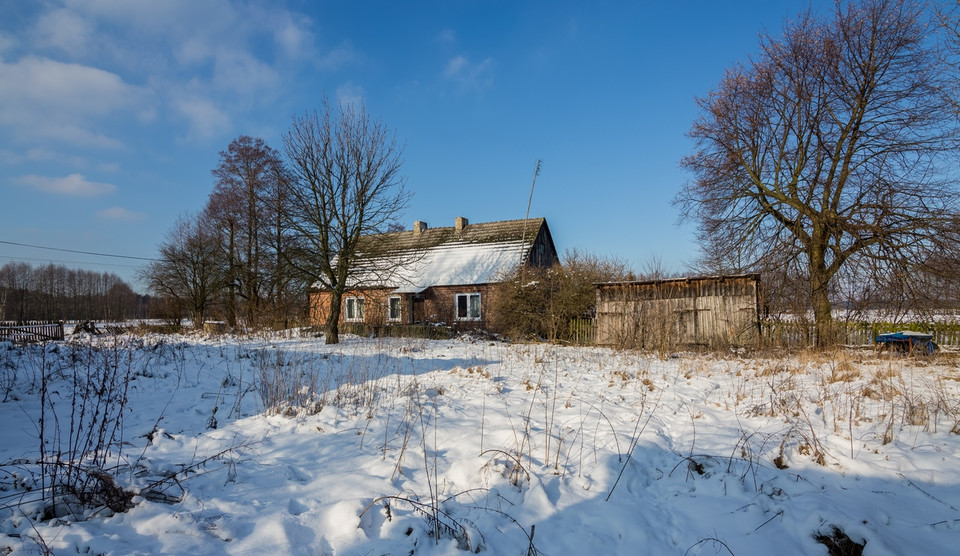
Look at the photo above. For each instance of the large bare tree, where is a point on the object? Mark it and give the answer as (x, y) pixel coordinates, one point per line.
(244, 206)
(345, 183)
(824, 153)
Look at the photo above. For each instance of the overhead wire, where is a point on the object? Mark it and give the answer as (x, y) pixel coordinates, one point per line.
(77, 251)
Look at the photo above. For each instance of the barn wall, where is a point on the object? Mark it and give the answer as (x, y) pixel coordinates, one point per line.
(698, 311)
(542, 253)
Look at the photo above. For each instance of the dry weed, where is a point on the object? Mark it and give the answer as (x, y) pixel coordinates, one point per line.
(842, 370)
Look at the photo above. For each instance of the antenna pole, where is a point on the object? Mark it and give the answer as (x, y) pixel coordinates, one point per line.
(536, 172)
(523, 261)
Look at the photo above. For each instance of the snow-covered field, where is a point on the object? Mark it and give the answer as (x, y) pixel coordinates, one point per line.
(400, 446)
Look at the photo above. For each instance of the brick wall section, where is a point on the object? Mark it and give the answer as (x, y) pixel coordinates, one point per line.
(374, 306)
(433, 305)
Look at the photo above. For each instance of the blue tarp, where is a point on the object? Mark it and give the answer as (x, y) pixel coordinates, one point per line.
(907, 341)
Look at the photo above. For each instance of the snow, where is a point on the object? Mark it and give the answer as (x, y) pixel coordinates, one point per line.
(458, 264)
(590, 450)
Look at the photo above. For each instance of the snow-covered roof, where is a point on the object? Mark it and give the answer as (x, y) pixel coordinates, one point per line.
(411, 261)
(460, 264)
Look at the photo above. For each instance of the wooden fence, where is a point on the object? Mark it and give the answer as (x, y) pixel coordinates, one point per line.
(799, 334)
(32, 332)
(582, 332)
(792, 334)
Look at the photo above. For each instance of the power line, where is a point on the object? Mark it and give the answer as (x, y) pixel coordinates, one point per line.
(75, 251)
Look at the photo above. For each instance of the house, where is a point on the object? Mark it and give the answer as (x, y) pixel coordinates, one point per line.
(448, 275)
(709, 310)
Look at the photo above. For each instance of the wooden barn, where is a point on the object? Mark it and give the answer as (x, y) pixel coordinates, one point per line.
(705, 311)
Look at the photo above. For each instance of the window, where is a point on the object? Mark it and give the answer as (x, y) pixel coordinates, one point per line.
(468, 306)
(353, 309)
(393, 308)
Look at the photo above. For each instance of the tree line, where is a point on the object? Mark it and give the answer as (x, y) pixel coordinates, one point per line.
(55, 292)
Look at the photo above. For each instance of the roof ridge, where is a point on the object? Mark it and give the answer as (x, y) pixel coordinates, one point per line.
(472, 224)
(430, 229)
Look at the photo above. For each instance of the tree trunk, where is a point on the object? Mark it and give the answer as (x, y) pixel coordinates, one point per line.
(232, 276)
(820, 298)
(332, 328)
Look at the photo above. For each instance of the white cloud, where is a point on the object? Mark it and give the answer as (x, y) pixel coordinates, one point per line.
(206, 120)
(63, 30)
(456, 66)
(47, 99)
(350, 94)
(335, 58)
(6, 42)
(241, 72)
(74, 87)
(120, 213)
(92, 65)
(73, 185)
(292, 33)
(203, 60)
(76, 135)
(447, 36)
(468, 74)
(41, 154)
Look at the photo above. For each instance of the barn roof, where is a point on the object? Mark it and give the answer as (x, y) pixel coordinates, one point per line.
(681, 279)
(413, 260)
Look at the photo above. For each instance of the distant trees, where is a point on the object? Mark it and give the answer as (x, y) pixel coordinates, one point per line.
(822, 159)
(344, 183)
(55, 292)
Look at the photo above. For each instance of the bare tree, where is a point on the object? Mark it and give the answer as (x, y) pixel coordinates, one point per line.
(344, 184)
(189, 270)
(245, 207)
(824, 152)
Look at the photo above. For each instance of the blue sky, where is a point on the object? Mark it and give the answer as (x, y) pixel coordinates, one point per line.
(113, 112)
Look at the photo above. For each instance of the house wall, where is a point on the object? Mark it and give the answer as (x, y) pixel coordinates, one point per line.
(439, 305)
(374, 306)
(436, 305)
(699, 311)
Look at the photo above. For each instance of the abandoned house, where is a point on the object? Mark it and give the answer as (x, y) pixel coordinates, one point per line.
(445, 275)
(710, 311)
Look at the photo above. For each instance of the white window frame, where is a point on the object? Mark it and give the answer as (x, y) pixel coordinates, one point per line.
(399, 315)
(469, 306)
(353, 309)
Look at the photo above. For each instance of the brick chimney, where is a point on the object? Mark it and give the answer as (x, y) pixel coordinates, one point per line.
(419, 227)
(461, 223)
